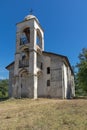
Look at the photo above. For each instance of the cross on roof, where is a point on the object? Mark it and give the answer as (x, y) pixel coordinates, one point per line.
(31, 11)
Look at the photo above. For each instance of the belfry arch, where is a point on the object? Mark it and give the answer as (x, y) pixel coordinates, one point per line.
(39, 38)
(25, 36)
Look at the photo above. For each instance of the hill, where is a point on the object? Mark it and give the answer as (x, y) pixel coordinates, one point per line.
(43, 114)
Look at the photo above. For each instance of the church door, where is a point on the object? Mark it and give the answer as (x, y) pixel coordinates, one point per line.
(24, 86)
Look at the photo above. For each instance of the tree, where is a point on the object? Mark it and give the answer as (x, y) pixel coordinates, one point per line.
(4, 88)
(82, 70)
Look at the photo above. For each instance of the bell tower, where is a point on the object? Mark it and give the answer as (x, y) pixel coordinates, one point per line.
(29, 47)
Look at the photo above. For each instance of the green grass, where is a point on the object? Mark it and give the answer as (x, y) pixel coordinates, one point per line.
(43, 114)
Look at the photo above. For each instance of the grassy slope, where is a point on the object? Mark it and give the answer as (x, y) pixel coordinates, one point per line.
(43, 114)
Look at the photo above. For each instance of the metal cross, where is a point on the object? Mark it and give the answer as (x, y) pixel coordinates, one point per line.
(31, 11)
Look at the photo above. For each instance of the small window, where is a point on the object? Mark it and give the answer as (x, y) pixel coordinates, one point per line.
(48, 70)
(41, 66)
(48, 83)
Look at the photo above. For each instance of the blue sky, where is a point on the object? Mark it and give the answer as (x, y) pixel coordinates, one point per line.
(64, 23)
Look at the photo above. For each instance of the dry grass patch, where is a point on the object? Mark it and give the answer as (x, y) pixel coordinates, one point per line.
(43, 114)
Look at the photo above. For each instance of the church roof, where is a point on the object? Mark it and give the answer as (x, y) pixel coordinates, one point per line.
(31, 17)
(11, 64)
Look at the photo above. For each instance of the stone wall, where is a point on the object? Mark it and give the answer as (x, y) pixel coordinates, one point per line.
(55, 77)
(11, 79)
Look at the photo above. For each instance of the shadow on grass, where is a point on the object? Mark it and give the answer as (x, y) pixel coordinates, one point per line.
(4, 99)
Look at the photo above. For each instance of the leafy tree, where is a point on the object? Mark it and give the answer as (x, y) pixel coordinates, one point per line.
(81, 77)
(78, 90)
(4, 88)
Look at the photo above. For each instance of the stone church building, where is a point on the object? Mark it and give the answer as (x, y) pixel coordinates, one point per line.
(35, 72)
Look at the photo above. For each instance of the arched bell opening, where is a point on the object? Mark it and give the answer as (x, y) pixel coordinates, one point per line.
(25, 36)
(39, 38)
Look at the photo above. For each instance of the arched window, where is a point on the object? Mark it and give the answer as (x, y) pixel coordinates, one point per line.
(25, 37)
(39, 38)
(27, 33)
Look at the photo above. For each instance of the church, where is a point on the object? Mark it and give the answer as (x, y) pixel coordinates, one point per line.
(36, 73)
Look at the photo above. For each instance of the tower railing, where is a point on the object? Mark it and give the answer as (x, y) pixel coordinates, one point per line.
(23, 63)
